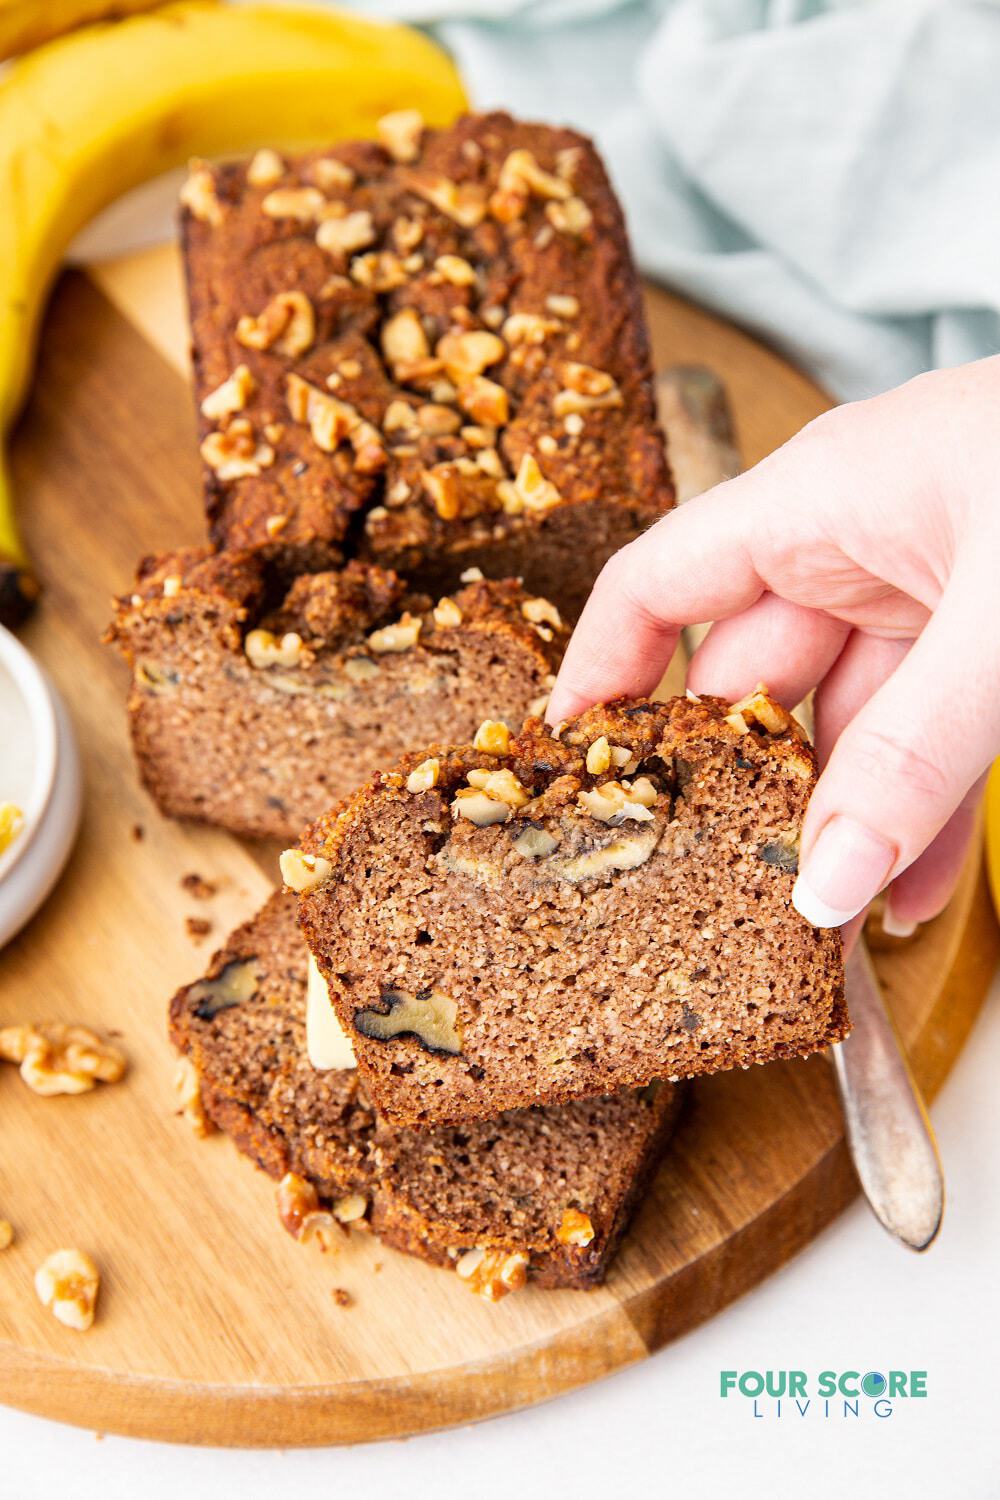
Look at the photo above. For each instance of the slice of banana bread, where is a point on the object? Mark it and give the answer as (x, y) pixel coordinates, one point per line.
(254, 704)
(542, 1192)
(430, 351)
(573, 913)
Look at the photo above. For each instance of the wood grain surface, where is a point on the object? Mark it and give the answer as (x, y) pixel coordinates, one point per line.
(213, 1325)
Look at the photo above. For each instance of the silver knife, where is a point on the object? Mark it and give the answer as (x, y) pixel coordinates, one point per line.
(888, 1131)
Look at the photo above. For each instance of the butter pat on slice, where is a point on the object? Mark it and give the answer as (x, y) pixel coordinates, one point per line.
(327, 1043)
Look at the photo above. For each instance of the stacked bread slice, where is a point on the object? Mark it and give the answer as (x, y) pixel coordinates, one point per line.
(427, 418)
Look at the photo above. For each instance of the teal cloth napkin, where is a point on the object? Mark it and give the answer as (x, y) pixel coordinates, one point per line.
(827, 174)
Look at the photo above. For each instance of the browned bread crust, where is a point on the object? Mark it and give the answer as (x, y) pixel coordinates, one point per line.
(561, 931)
(254, 703)
(504, 1186)
(530, 449)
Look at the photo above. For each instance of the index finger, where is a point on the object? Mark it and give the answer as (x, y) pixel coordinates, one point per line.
(694, 565)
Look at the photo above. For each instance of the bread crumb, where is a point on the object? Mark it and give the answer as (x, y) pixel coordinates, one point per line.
(198, 886)
(197, 928)
(342, 1297)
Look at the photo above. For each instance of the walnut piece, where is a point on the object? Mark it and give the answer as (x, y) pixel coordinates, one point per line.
(286, 324)
(430, 1016)
(571, 217)
(236, 453)
(265, 168)
(464, 203)
(187, 1089)
(229, 397)
(575, 1228)
(599, 756)
(399, 132)
(447, 614)
(485, 401)
(346, 234)
(465, 355)
(303, 872)
(331, 174)
(350, 1209)
(296, 1198)
(264, 649)
(758, 708)
(332, 422)
(302, 203)
(530, 490)
(68, 1281)
(198, 194)
(492, 737)
(398, 637)
(379, 271)
(614, 801)
(541, 612)
(491, 1274)
(424, 776)
(529, 328)
(456, 270)
(58, 1059)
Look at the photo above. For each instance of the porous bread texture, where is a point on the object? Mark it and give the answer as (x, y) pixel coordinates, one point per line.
(555, 1186)
(578, 937)
(255, 703)
(462, 375)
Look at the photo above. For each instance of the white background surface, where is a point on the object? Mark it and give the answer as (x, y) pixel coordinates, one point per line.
(853, 1300)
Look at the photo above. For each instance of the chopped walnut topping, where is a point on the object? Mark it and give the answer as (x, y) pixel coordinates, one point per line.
(332, 175)
(67, 1282)
(615, 801)
(567, 161)
(263, 649)
(573, 424)
(275, 525)
(303, 203)
(492, 737)
(490, 462)
(344, 235)
(296, 1198)
(485, 401)
(623, 760)
(350, 1209)
(521, 173)
(575, 1228)
(563, 305)
(229, 397)
(398, 637)
(236, 453)
(456, 488)
(478, 808)
(438, 421)
(571, 217)
(455, 270)
(462, 202)
(187, 1089)
(399, 132)
(530, 490)
(303, 872)
(171, 586)
(404, 341)
(465, 355)
(58, 1059)
(287, 324)
(332, 422)
(265, 168)
(471, 575)
(757, 707)
(585, 389)
(541, 612)
(424, 776)
(599, 756)
(529, 328)
(491, 1274)
(447, 614)
(501, 785)
(198, 194)
(379, 271)
(407, 234)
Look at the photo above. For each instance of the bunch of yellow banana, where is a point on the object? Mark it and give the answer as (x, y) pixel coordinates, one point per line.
(97, 111)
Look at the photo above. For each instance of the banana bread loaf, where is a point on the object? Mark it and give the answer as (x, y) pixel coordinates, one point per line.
(575, 912)
(544, 1192)
(429, 351)
(254, 706)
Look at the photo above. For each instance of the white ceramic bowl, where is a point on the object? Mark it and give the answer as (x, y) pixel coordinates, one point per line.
(40, 772)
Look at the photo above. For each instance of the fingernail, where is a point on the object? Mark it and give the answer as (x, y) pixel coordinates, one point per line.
(845, 868)
(894, 926)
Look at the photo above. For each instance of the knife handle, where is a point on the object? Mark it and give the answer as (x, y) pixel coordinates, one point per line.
(888, 1132)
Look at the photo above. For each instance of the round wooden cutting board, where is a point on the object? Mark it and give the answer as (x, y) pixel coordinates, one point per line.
(214, 1326)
